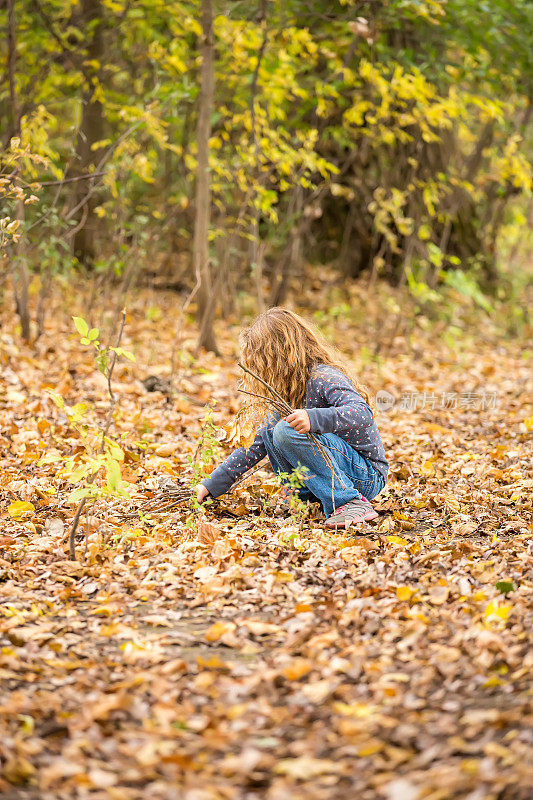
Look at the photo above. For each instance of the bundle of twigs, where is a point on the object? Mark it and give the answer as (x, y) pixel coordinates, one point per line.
(171, 496)
(168, 499)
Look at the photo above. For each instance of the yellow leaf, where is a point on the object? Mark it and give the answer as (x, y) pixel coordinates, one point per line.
(297, 669)
(27, 723)
(214, 662)
(470, 766)
(371, 747)
(427, 469)
(432, 427)
(283, 577)
(17, 770)
(360, 710)
(218, 630)
(492, 681)
(404, 592)
(496, 613)
(397, 540)
(103, 611)
(20, 509)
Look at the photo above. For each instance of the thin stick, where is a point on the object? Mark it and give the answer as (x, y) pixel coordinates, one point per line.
(86, 177)
(267, 386)
(263, 397)
(112, 397)
(157, 505)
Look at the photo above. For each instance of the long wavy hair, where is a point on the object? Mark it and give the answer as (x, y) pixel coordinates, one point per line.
(284, 349)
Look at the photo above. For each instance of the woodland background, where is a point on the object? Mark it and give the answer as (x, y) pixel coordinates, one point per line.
(169, 169)
(228, 144)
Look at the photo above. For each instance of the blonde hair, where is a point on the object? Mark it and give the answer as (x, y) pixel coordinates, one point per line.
(284, 349)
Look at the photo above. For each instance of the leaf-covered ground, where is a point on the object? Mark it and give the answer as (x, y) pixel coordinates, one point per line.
(252, 655)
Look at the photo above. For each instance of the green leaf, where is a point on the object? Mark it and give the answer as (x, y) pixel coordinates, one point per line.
(56, 398)
(128, 355)
(81, 472)
(93, 334)
(113, 475)
(505, 587)
(81, 326)
(121, 352)
(102, 361)
(114, 450)
(78, 494)
(77, 412)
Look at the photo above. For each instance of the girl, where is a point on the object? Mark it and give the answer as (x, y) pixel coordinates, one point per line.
(291, 355)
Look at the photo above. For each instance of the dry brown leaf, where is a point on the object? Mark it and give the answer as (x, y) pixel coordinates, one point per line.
(208, 532)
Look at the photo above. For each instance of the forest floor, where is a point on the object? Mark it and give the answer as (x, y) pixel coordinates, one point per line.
(252, 655)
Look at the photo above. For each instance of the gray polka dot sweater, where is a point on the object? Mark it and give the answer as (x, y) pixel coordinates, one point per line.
(334, 406)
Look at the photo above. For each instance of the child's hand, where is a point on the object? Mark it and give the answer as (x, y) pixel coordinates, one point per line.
(201, 492)
(299, 420)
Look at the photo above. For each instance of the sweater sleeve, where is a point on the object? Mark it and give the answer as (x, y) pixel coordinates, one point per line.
(235, 465)
(346, 409)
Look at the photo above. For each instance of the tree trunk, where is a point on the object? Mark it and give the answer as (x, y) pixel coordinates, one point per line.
(202, 268)
(90, 130)
(257, 246)
(21, 278)
(291, 258)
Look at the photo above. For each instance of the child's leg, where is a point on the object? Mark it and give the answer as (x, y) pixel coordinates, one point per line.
(278, 461)
(353, 476)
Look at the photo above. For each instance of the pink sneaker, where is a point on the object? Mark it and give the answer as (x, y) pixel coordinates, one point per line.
(359, 510)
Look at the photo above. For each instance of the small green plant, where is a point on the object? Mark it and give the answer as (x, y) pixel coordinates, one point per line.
(100, 456)
(419, 289)
(92, 460)
(207, 452)
(290, 482)
(467, 286)
(103, 353)
(208, 448)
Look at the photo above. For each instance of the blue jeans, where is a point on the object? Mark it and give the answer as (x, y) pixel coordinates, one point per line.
(354, 475)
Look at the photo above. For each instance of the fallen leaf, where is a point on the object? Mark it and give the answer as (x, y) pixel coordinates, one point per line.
(208, 533)
(204, 574)
(167, 449)
(21, 509)
(297, 669)
(223, 632)
(306, 767)
(438, 595)
(404, 592)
